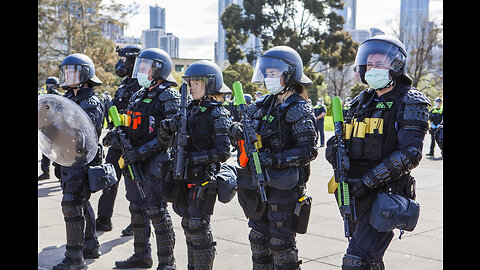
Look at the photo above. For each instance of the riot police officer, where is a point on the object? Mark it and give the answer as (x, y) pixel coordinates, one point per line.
(435, 117)
(208, 146)
(285, 123)
(128, 86)
(384, 131)
(148, 106)
(77, 76)
(52, 84)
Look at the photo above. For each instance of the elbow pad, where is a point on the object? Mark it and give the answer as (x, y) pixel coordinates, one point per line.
(391, 168)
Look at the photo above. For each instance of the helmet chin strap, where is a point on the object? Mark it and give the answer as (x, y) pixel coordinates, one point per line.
(392, 82)
(285, 89)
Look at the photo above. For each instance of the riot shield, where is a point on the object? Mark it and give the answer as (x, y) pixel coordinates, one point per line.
(66, 135)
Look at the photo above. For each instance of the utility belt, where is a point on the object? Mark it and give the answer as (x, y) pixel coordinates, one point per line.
(364, 139)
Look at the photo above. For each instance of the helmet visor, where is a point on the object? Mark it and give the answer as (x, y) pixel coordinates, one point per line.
(73, 75)
(148, 67)
(270, 67)
(378, 54)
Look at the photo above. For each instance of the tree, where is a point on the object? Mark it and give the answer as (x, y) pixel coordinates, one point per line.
(304, 25)
(242, 73)
(66, 27)
(307, 26)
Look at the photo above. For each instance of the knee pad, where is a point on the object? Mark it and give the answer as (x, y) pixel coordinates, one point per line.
(285, 254)
(352, 262)
(261, 254)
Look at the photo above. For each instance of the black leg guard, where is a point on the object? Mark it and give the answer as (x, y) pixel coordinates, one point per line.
(75, 225)
(352, 262)
(188, 240)
(203, 246)
(285, 254)
(141, 231)
(165, 236)
(261, 254)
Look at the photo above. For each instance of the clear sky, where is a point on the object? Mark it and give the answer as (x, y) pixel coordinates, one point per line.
(195, 22)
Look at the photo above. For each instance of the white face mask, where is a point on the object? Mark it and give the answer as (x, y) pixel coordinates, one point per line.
(143, 80)
(273, 85)
(377, 78)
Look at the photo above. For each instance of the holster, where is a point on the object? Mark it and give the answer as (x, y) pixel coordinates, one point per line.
(205, 196)
(302, 213)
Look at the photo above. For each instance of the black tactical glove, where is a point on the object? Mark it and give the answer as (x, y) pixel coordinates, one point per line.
(132, 156)
(236, 131)
(330, 151)
(356, 187)
(111, 140)
(267, 159)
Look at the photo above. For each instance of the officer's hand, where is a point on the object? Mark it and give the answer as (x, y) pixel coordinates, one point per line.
(356, 187)
(131, 156)
(236, 131)
(330, 151)
(111, 140)
(266, 159)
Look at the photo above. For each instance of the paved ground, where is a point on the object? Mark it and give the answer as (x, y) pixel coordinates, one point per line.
(322, 247)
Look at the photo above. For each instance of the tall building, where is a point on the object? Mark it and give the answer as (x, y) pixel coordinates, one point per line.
(413, 20)
(349, 13)
(157, 37)
(221, 56)
(157, 17)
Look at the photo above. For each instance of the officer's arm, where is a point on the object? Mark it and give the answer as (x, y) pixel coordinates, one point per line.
(302, 121)
(412, 127)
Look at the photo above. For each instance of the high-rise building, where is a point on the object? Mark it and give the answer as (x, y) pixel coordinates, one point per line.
(413, 20)
(221, 56)
(157, 17)
(349, 13)
(169, 43)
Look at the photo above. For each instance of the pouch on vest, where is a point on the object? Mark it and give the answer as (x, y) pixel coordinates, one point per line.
(226, 182)
(101, 176)
(390, 211)
(283, 179)
(357, 140)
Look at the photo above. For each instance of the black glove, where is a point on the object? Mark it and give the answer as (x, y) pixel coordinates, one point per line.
(356, 187)
(330, 151)
(132, 156)
(267, 160)
(111, 140)
(236, 131)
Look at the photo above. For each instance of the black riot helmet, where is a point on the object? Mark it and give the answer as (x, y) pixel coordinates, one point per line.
(155, 63)
(395, 56)
(52, 80)
(286, 61)
(77, 69)
(210, 74)
(124, 66)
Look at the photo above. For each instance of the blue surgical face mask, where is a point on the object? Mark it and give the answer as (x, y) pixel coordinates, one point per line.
(377, 78)
(143, 80)
(273, 85)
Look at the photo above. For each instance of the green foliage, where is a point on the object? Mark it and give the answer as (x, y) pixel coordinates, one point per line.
(307, 26)
(66, 27)
(242, 73)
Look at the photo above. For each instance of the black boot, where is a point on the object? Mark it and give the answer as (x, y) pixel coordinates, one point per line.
(352, 262)
(134, 262)
(44, 176)
(103, 224)
(71, 264)
(128, 231)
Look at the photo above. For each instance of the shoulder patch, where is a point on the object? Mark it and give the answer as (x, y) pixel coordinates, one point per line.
(219, 111)
(298, 111)
(415, 97)
(168, 94)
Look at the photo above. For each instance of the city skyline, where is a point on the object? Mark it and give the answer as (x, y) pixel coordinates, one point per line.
(197, 28)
